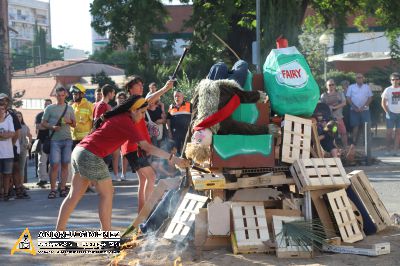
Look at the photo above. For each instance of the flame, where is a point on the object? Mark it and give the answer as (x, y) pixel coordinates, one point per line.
(118, 258)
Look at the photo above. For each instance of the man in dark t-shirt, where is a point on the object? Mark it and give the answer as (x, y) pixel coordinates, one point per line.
(42, 134)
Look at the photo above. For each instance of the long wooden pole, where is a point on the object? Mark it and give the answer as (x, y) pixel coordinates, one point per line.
(226, 45)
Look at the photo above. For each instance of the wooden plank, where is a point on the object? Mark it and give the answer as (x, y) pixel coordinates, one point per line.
(323, 212)
(344, 216)
(375, 250)
(315, 140)
(158, 192)
(256, 194)
(259, 181)
(285, 248)
(375, 207)
(184, 217)
(293, 204)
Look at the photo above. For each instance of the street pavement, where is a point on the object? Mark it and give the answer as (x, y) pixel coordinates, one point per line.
(40, 213)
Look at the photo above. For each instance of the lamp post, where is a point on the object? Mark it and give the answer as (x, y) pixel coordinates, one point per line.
(324, 40)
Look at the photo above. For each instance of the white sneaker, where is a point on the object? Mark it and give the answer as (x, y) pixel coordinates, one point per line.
(116, 178)
(123, 178)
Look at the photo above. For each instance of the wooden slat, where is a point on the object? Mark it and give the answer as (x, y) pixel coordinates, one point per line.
(344, 216)
(184, 217)
(375, 207)
(322, 211)
(315, 140)
(259, 181)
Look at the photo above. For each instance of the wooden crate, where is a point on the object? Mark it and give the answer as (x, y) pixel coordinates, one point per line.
(375, 207)
(344, 216)
(319, 173)
(184, 217)
(285, 247)
(250, 227)
(202, 181)
(296, 138)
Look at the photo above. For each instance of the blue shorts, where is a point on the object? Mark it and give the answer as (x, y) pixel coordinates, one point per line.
(359, 118)
(6, 166)
(393, 121)
(60, 151)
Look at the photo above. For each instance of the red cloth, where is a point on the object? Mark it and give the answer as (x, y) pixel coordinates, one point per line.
(100, 108)
(130, 146)
(112, 134)
(220, 115)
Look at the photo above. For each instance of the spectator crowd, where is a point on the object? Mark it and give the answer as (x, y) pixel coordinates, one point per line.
(340, 117)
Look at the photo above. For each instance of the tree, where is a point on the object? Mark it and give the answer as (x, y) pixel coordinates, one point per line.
(130, 19)
(102, 79)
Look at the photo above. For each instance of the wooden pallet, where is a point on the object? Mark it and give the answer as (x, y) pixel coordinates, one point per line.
(259, 181)
(375, 207)
(344, 216)
(184, 217)
(250, 227)
(296, 138)
(319, 173)
(285, 247)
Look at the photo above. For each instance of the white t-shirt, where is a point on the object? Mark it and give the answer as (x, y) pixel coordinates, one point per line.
(6, 146)
(392, 95)
(359, 95)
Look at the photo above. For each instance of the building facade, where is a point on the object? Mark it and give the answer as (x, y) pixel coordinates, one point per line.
(23, 15)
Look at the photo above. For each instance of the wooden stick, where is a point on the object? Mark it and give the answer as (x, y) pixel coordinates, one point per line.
(226, 45)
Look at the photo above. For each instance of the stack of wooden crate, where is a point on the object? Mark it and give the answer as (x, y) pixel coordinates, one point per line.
(245, 208)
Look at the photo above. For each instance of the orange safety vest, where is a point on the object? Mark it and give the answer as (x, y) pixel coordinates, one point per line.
(184, 109)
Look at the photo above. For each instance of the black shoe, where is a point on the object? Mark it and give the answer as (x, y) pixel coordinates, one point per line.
(42, 183)
(21, 194)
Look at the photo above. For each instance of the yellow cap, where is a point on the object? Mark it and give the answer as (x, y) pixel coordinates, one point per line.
(139, 102)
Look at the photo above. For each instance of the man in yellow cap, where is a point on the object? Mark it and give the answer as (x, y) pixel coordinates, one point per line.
(83, 110)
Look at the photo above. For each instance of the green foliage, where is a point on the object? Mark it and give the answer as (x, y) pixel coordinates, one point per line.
(310, 47)
(380, 76)
(33, 54)
(130, 19)
(102, 79)
(303, 233)
(185, 85)
(339, 76)
(17, 99)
